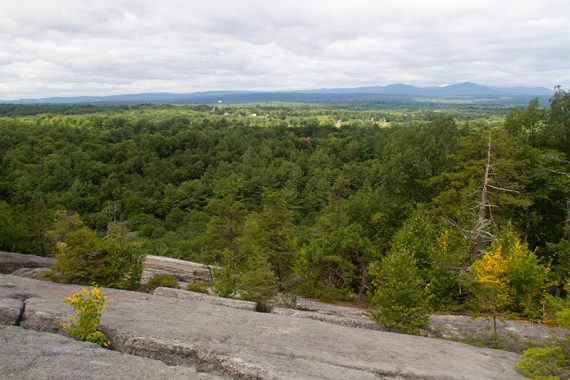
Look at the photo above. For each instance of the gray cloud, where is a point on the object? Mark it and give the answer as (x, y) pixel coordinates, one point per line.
(65, 47)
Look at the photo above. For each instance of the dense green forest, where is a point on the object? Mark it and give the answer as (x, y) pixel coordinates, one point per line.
(329, 202)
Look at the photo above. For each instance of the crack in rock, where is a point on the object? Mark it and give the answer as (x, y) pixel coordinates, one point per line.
(176, 353)
(22, 311)
(12, 310)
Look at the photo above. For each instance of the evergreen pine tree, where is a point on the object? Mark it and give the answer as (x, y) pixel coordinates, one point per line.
(258, 282)
(399, 293)
(224, 276)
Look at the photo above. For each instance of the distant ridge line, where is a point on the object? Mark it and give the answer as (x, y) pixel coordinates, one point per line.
(468, 89)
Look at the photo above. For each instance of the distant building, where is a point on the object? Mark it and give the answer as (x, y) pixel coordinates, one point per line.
(304, 138)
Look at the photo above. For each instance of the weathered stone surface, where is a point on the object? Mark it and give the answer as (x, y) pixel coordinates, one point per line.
(11, 310)
(253, 345)
(339, 315)
(350, 321)
(186, 271)
(26, 354)
(214, 300)
(9, 261)
(325, 313)
(517, 336)
(35, 273)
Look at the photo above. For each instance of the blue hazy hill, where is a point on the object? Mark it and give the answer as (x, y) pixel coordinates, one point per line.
(395, 92)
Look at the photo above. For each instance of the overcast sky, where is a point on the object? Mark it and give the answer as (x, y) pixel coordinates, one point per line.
(99, 47)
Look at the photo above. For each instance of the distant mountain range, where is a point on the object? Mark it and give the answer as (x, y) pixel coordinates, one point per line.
(459, 89)
(372, 93)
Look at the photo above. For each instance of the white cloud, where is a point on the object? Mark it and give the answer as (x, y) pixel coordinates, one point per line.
(70, 47)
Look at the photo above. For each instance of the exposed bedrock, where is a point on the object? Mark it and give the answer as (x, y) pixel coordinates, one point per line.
(10, 262)
(241, 343)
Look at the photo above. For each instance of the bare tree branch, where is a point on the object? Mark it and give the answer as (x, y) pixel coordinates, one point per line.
(503, 189)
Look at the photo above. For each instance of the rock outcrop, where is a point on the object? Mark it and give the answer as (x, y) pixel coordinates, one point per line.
(185, 271)
(11, 311)
(10, 262)
(342, 316)
(240, 343)
(26, 354)
(514, 335)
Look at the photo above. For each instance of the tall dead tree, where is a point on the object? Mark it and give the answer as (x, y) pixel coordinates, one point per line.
(484, 205)
(481, 231)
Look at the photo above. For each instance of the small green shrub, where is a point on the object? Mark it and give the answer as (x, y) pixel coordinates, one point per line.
(225, 276)
(162, 280)
(258, 282)
(84, 325)
(550, 362)
(398, 294)
(83, 257)
(545, 363)
(199, 287)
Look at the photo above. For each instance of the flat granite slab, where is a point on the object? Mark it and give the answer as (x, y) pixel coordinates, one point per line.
(27, 354)
(184, 270)
(246, 344)
(9, 261)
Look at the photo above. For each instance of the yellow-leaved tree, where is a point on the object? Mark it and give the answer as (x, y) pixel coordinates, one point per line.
(489, 284)
(510, 277)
